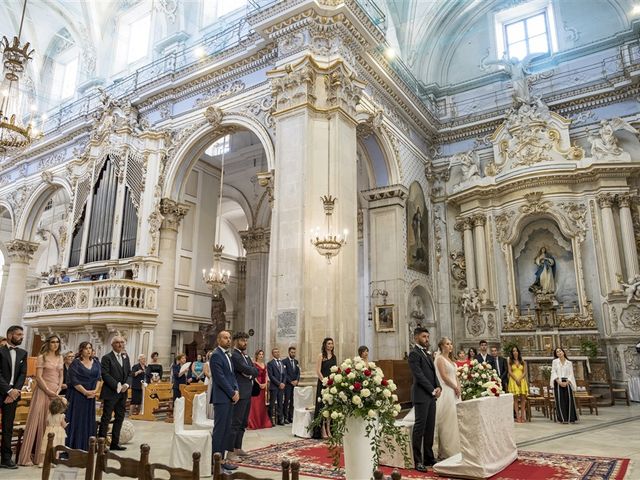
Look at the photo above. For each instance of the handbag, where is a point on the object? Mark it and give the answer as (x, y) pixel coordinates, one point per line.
(255, 389)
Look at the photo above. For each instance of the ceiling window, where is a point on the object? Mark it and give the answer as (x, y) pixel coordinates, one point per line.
(134, 34)
(65, 78)
(527, 36)
(219, 147)
(214, 9)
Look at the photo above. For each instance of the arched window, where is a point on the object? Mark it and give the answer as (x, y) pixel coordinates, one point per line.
(61, 67)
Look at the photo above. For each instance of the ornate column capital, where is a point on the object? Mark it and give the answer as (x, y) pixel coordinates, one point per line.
(464, 223)
(385, 196)
(605, 200)
(172, 213)
(256, 240)
(21, 251)
(625, 199)
(479, 220)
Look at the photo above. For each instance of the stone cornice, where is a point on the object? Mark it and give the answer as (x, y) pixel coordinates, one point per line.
(385, 196)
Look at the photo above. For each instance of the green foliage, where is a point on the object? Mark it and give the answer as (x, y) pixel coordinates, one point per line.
(589, 348)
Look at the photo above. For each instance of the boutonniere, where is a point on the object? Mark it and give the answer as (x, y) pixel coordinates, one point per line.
(124, 355)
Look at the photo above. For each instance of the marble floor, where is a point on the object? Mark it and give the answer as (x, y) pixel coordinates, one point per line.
(612, 433)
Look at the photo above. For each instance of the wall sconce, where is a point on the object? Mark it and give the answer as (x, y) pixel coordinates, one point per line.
(380, 293)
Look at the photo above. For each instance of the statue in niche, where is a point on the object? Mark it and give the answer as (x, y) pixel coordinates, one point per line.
(604, 143)
(418, 310)
(545, 273)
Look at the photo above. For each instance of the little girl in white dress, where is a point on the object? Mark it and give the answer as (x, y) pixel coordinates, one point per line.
(56, 423)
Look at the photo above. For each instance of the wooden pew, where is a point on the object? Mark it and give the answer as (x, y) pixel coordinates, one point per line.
(188, 392)
(156, 398)
(399, 372)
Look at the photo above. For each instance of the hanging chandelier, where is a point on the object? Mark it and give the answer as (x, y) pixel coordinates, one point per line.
(217, 278)
(328, 244)
(14, 134)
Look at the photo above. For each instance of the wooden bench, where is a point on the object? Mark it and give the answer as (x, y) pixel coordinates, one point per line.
(189, 392)
(72, 458)
(126, 467)
(156, 398)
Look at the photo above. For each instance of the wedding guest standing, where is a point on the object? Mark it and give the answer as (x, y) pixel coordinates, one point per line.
(116, 377)
(363, 353)
(179, 376)
(13, 372)
(424, 392)
(258, 416)
(3, 341)
(277, 378)
(207, 380)
(563, 382)
(446, 414)
(292, 367)
(471, 355)
(483, 355)
(84, 374)
(245, 372)
(224, 394)
(48, 385)
(154, 368)
(69, 357)
(326, 360)
(138, 377)
(197, 369)
(462, 359)
(499, 364)
(518, 385)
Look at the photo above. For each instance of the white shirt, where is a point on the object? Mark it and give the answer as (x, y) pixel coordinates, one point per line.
(118, 357)
(559, 370)
(228, 358)
(12, 354)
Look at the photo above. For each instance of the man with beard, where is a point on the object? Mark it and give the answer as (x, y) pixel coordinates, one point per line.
(13, 372)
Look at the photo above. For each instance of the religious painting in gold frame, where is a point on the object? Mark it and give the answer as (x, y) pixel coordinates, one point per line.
(385, 318)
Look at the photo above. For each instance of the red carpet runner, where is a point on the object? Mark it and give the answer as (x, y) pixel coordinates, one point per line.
(314, 461)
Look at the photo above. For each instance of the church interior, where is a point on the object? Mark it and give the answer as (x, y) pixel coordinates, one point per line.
(353, 169)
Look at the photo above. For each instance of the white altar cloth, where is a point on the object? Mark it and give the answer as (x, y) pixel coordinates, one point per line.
(487, 439)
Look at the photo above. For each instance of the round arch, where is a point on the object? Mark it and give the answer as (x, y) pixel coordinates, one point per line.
(525, 218)
(36, 202)
(7, 206)
(188, 154)
(390, 157)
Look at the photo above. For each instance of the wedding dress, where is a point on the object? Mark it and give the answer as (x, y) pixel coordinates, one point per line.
(446, 415)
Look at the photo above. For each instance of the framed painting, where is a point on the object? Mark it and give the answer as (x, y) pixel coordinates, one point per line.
(385, 318)
(417, 230)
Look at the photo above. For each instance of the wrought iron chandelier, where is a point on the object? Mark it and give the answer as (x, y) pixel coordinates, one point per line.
(328, 244)
(14, 134)
(217, 278)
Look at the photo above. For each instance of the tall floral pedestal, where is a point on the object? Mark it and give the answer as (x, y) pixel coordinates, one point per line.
(358, 457)
(487, 439)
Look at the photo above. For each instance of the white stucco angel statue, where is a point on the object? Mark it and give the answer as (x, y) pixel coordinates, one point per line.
(471, 300)
(469, 162)
(603, 142)
(518, 71)
(632, 288)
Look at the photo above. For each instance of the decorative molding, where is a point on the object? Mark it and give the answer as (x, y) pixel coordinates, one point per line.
(21, 251)
(172, 213)
(256, 240)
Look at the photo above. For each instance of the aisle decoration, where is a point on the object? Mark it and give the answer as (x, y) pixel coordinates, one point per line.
(478, 380)
(357, 398)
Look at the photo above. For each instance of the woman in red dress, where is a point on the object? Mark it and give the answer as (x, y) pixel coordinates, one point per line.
(258, 416)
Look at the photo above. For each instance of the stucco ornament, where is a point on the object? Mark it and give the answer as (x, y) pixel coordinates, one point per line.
(604, 144)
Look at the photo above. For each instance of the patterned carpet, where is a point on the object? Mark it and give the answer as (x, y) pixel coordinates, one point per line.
(314, 461)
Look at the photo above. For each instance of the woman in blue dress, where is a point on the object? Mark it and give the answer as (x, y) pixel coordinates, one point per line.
(84, 374)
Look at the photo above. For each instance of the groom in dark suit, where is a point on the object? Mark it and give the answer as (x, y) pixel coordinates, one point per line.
(13, 372)
(292, 367)
(277, 377)
(224, 394)
(424, 392)
(116, 375)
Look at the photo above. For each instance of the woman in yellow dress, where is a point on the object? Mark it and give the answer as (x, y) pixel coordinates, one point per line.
(518, 383)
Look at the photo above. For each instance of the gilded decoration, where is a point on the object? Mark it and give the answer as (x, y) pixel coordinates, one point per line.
(534, 204)
(458, 269)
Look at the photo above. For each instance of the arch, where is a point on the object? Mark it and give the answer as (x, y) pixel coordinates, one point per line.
(390, 157)
(7, 206)
(524, 218)
(35, 204)
(189, 153)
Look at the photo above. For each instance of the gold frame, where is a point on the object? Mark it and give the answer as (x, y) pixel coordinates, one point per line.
(378, 309)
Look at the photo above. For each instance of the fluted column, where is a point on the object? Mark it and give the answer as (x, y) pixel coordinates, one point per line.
(172, 213)
(628, 237)
(612, 257)
(256, 243)
(20, 253)
(481, 252)
(466, 225)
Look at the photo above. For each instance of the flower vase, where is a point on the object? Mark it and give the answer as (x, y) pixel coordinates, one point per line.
(358, 455)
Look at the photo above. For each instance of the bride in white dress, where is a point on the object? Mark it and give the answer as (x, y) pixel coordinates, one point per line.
(446, 416)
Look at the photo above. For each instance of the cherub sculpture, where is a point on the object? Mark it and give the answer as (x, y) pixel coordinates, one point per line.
(603, 142)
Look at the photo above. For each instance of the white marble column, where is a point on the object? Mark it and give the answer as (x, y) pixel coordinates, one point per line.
(612, 253)
(256, 243)
(481, 253)
(20, 253)
(172, 213)
(628, 236)
(466, 225)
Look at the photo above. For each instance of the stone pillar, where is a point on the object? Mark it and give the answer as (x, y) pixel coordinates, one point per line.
(256, 243)
(628, 236)
(241, 293)
(612, 253)
(172, 213)
(465, 224)
(309, 299)
(481, 252)
(20, 253)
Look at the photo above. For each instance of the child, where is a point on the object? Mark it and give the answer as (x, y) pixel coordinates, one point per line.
(56, 423)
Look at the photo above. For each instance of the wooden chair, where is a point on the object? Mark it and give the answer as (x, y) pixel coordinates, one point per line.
(584, 398)
(293, 468)
(189, 392)
(72, 458)
(551, 402)
(615, 391)
(156, 398)
(127, 467)
(176, 473)
(378, 475)
(219, 475)
(539, 402)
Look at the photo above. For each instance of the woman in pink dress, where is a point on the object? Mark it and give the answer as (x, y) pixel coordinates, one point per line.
(49, 375)
(258, 416)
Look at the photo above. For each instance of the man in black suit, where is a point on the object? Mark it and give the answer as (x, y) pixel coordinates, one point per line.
(245, 372)
(292, 368)
(483, 353)
(116, 375)
(424, 392)
(499, 364)
(13, 372)
(277, 378)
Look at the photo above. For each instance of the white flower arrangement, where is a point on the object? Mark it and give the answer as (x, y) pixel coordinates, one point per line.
(479, 380)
